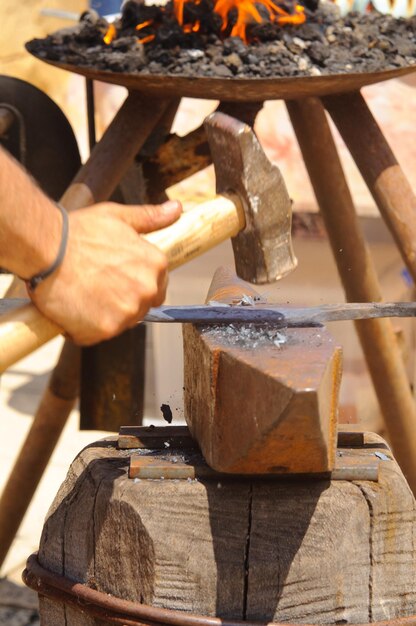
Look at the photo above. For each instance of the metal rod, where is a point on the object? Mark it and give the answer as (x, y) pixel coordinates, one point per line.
(279, 315)
(89, 89)
(358, 275)
(117, 611)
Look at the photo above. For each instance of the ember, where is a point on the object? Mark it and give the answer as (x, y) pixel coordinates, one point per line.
(247, 13)
(227, 38)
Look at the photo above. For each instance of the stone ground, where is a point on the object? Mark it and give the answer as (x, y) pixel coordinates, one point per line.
(18, 605)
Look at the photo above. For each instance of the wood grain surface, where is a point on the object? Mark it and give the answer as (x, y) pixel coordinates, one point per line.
(307, 551)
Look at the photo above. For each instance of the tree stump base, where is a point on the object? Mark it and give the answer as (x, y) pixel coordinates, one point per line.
(305, 550)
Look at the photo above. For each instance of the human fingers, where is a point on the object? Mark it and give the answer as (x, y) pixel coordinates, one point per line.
(147, 217)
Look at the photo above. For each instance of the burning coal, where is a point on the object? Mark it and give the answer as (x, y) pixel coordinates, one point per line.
(235, 38)
(242, 12)
(224, 18)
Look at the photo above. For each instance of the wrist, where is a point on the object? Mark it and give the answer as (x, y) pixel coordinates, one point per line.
(30, 224)
(38, 277)
(35, 245)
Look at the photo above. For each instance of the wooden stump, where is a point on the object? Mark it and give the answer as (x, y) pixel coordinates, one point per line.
(305, 550)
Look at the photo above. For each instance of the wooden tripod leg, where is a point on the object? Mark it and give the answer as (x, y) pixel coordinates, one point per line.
(95, 181)
(358, 276)
(379, 168)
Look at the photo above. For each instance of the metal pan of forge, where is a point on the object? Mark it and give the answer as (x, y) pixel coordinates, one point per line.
(237, 89)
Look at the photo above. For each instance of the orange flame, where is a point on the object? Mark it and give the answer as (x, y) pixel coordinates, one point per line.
(144, 24)
(147, 39)
(178, 6)
(247, 13)
(298, 17)
(110, 34)
(192, 28)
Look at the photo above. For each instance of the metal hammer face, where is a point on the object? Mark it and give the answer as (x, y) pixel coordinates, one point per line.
(263, 250)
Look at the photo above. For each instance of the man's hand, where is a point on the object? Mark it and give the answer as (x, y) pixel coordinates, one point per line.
(110, 275)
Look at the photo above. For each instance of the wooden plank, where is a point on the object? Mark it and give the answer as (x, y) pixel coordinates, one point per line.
(260, 401)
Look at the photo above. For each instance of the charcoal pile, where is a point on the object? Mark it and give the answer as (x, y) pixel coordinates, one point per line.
(153, 40)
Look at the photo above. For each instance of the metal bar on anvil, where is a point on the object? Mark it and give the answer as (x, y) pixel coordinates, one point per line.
(282, 316)
(350, 465)
(279, 315)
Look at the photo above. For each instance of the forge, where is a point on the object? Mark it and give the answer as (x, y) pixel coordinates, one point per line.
(234, 39)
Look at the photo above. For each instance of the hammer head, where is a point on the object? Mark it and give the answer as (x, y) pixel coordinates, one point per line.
(263, 250)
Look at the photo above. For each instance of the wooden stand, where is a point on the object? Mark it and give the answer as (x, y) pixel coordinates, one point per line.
(306, 550)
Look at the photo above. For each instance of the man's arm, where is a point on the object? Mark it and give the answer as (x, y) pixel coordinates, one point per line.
(109, 277)
(30, 225)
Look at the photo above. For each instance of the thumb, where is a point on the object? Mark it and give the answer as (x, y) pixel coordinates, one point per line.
(146, 218)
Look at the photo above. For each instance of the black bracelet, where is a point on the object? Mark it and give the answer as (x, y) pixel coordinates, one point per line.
(33, 282)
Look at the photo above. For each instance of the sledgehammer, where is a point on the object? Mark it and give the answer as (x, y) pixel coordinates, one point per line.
(252, 207)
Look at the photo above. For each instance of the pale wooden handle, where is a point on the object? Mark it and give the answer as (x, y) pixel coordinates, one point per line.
(199, 230)
(25, 329)
(22, 331)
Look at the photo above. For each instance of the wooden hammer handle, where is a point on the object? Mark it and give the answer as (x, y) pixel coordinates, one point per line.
(199, 230)
(25, 329)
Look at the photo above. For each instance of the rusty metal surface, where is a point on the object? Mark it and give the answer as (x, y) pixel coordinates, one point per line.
(236, 89)
(181, 157)
(160, 438)
(263, 250)
(114, 610)
(174, 463)
(112, 156)
(259, 400)
(155, 438)
(170, 453)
